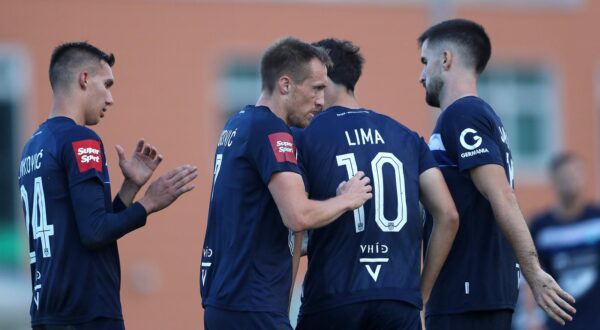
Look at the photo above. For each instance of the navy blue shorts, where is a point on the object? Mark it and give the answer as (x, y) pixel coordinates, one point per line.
(96, 324)
(376, 314)
(216, 319)
(476, 320)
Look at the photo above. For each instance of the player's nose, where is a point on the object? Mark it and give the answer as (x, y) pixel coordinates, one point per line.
(109, 99)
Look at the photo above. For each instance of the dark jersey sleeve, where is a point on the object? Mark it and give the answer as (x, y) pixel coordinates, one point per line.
(426, 160)
(272, 148)
(82, 155)
(97, 227)
(469, 137)
(118, 204)
(298, 135)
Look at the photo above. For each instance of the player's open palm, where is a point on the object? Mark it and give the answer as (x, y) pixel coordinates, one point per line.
(552, 298)
(166, 189)
(139, 168)
(357, 190)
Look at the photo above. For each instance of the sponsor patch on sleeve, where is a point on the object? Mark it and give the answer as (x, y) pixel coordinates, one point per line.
(88, 155)
(283, 147)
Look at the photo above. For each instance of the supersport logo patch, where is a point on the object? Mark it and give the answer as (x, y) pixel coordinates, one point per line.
(283, 147)
(88, 155)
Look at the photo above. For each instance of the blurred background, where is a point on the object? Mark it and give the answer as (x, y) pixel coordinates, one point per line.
(184, 66)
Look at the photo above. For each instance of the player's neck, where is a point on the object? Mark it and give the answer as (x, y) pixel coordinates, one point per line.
(346, 100)
(64, 107)
(456, 88)
(569, 209)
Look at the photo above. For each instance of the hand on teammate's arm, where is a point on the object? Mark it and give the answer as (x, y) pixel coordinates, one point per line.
(167, 188)
(491, 181)
(437, 200)
(137, 170)
(300, 213)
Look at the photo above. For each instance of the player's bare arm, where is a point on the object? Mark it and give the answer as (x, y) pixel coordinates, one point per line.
(491, 181)
(436, 197)
(166, 189)
(137, 170)
(296, 255)
(300, 213)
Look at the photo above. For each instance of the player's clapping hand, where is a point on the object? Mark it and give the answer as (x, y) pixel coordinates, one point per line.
(166, 189)
(139, 168)
(551, 298)
(357, 190)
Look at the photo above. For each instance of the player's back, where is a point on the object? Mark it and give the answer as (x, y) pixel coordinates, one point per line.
(71, 283)
(246, 263)
(570, 251)
(374, 252)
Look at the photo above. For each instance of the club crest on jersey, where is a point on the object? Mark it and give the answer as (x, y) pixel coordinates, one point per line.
(283, 147)
(88, 155)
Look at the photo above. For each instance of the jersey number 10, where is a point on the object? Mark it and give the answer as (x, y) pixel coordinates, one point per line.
(382, 158)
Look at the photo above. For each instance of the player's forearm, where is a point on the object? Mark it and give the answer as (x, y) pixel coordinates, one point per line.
(96, 226)
(444, 230)
(296, 255)
(513, 226)
(315, 214)
(128, 191)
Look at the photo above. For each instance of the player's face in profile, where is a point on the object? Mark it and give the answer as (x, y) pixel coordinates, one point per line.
(431, 75)
(569, 179)
(99, 96)
(307, 97)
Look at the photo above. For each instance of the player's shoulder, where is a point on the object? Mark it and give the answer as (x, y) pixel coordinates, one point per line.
(66, 130)
(262, 119)
(392, 125)
(467, 107)
(593, 209)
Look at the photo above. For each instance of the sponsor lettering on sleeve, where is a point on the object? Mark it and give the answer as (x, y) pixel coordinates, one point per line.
(283, 147)
(88, 155)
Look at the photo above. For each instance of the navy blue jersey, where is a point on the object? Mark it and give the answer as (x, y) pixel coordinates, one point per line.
(570, 252)
(71, 283)
(481, 272)
(374, 252)
(246, 260)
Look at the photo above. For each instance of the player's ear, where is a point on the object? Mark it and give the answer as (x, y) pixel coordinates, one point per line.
(283, 84)
(447, 58)
(82, 79)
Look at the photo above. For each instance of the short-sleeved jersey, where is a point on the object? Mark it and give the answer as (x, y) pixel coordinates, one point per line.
(481, 272)
(374, 252)
(246, 260)
(71, 284)
(570, 252)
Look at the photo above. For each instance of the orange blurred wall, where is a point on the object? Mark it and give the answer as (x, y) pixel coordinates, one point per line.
(168, 56)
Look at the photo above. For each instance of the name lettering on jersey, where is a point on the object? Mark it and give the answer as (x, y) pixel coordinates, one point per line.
(375, 252)
(206, 253)
(226, 138)
(352, 112)
(477, 140)
(31, 163)
(88, 155)
(283, 147)
(361, 137)
(503, 135)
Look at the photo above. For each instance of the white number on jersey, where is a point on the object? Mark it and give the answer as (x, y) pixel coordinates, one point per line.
(218, 161)
(40, 229)
(382, 158)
